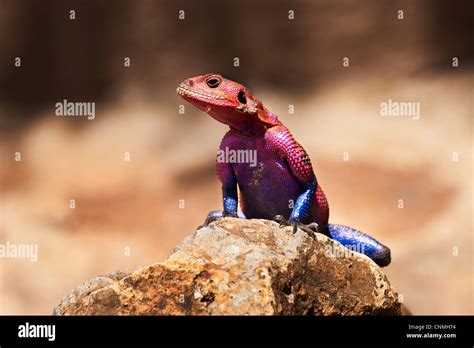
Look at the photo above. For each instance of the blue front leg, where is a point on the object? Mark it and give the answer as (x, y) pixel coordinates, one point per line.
(230, 198)
(304, 203)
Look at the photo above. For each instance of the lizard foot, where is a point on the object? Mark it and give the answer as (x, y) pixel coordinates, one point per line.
(310, 229)
(218, 215)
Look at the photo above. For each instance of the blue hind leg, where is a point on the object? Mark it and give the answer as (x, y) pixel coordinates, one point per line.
(358, 241)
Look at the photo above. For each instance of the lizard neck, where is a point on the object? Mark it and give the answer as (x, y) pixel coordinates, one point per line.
(255, 125)
(249, 129)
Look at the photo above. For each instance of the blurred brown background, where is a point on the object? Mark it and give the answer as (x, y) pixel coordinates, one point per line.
(135, 205)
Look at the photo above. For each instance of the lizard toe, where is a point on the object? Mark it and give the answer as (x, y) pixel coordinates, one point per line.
(281, 220)
(310, 229)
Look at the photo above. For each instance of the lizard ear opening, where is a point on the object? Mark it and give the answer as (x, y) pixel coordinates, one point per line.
(241, 97)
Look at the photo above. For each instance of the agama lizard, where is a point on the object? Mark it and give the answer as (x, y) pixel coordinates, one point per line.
(283, 174)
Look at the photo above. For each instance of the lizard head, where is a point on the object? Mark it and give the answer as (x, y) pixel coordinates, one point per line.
(227, 101)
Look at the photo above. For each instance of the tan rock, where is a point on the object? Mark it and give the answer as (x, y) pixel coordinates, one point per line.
(243, 267)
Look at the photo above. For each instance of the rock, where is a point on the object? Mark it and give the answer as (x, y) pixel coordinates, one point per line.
(243, 267)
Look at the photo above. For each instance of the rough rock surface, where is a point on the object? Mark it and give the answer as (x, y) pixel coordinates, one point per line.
(243, 267)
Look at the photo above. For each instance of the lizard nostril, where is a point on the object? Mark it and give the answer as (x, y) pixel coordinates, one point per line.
(189, 82)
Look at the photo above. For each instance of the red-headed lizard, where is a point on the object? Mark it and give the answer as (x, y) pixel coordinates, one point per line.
(280, 171)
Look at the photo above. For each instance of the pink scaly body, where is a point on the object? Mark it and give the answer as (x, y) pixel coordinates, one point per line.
(272, 187)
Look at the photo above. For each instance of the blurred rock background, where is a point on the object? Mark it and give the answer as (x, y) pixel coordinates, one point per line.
(131, 213)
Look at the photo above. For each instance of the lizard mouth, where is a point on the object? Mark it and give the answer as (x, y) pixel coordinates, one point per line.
(187, 92)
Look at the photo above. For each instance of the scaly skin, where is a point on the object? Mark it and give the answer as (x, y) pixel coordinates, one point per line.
(281, 185)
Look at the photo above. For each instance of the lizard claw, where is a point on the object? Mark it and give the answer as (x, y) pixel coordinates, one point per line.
(233, 215)
(218, 215)
(210, 219)
(281, 220)
(310, 229)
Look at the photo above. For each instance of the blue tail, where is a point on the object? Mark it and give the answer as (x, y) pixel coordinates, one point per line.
(358, 241)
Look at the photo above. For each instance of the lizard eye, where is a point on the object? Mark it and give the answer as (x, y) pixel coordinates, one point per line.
(242, 98)
(213, 82)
